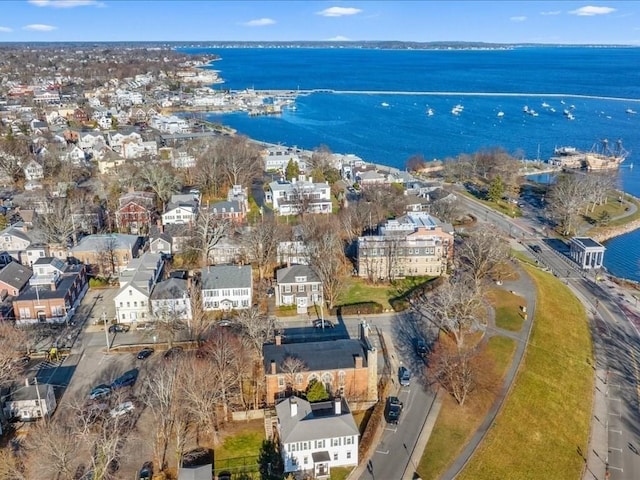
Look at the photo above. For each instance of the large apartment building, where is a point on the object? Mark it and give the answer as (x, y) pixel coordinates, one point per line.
(415, 244)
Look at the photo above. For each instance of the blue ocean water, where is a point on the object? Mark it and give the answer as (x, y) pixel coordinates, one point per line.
(597, 84)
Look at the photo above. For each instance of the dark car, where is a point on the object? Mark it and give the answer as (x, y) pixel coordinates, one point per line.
(535, 248)
(421, 348)
(404, 375)
(144, 353)
(99, 391)
(226, 475)
(173, 352)
(320, 323)
(146, 472)
(392, 410)
(119, 328)
(126, 379)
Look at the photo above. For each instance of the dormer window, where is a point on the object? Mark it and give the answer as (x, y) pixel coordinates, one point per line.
(301, 279)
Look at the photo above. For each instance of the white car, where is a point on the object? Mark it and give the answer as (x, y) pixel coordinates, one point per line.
(122, 409)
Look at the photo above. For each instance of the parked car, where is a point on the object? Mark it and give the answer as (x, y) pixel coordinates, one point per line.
(144, 353)
(535, 248)
(126, 379)
(122, 409)
(421, 348)
(392, 410)
(119, 328)
(173, 352)
(404, 375)
(226, 475)
(145, 326)
(146, 472)
(320, 323)
(100, 391)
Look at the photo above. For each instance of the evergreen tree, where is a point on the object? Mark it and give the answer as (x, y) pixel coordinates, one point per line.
(496, 189)
(316, 392)
(292, 170)
(270, 462)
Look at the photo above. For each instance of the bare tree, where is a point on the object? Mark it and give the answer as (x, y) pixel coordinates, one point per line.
(242, 162)
(445, 209)
(456, 370)
(326, 255)
(292, 366)
(11, 465)
(207, 232)
(356, 217)
(11, 338)
(57, 224)
(565, 200)
(261, 243)
(14, 156)
(416, 163)
(161, 180)
(107, 256)
(208, 171)
(481, 253)
(456, 308)
(257, 327)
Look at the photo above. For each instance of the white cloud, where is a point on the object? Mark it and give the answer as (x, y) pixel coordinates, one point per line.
(552, 12)
(590, 11)
(6, 29)
(518, 19)
(39, 27)
(338, 11)
(339, 38)
(66, 3)
(259, 22)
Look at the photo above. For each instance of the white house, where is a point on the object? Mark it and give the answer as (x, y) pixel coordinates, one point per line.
(33, 171)
(182, 159)
(136, 283)
(299, 195)
(179, 214)
(170, 299)
(227, 287)
(298, 285)
(276, 158)
(30, 402)
(316, 436)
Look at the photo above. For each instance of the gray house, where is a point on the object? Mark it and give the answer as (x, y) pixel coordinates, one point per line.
(316, 436)
(30, 402)
(298, 285)
(227, 287)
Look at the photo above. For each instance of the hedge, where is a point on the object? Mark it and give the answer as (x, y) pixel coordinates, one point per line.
(363, 308)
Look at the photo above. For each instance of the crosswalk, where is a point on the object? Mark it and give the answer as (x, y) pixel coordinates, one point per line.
(47, 364)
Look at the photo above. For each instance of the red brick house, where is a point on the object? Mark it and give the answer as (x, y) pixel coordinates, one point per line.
(346, 367)
(54, 290)
(135, 212)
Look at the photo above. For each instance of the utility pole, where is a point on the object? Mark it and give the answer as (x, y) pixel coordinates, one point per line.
(106, 330)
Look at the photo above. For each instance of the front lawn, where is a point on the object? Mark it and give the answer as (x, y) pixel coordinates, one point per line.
(545, 420)
(240, 446)
(358, 290)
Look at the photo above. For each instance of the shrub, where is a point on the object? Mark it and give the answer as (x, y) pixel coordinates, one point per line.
(362, 308)
(316, 392)
(96, 282)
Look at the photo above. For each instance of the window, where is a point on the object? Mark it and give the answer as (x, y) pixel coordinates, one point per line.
(135, 304)
(314, 287)
(335, 442)
(348, 454)
(128, 304)
(142, 303)
(341, 377)
(306, 460)
(121, 304)
(320, 443)
(280, 381)
(335, 456)
(130, 292)
(299, 378)
(300, 288)
(287, 288)
(348, 441)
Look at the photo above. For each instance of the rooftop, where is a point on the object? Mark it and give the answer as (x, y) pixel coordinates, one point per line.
(317, 356)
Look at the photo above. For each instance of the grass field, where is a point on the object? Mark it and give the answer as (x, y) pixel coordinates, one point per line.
(545, 420)
(357, 290)
(508, 308)
(241, 446)
(456, 425)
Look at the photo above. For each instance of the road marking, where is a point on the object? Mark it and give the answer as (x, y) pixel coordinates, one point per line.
(616, 449)
(615, 468)
(394, 430)
(635, 372)
(616, 431)
(615, 399)
(615, 414)
(615, 385)
(382, 453)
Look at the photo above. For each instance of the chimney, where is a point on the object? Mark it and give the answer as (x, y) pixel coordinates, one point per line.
(310, 179)
(273, 367)
(26, 382)
(278, 339)
(358, 361)
(338, 406)
(294, 406)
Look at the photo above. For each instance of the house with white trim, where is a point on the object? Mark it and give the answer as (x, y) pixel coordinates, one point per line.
(137, 281)
(300, 195)
(33, 171)
(314, 437)
(226, 287)
(30, 402)
(170, 299)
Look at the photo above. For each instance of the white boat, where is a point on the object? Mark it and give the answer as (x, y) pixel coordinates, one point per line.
(630, 111)
(430, 112)
(570, 117)
(552, 110)
(500, 114)
(384, 104)
(562, 102)
(457, 110)
(525, 109)
(545, 105)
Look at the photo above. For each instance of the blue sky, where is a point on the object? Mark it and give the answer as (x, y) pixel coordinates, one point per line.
(570, 22)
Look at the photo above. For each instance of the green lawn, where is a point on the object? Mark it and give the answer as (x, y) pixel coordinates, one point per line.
(357, 290)
(546, 418)
(508, 308)
(240, 448)
(619, 222)
(455, 424)
(340, 473)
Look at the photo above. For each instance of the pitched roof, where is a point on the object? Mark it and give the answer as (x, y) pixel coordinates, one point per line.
(226, 276)
(314, 421)
(98, 242)
(317, 356)
(289, 274)
(15, 275)
(170, 289)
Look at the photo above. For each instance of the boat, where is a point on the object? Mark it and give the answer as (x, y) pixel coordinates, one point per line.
(430, 112)
(600, 157)
(570, 116)
(384, 104)
(457, 110)
(525, 109)
(500, 114)
(530, 111)
(545, 105)
(630, 111)
(552, 110)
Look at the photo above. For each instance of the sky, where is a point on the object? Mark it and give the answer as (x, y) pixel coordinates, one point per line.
(521, 21)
